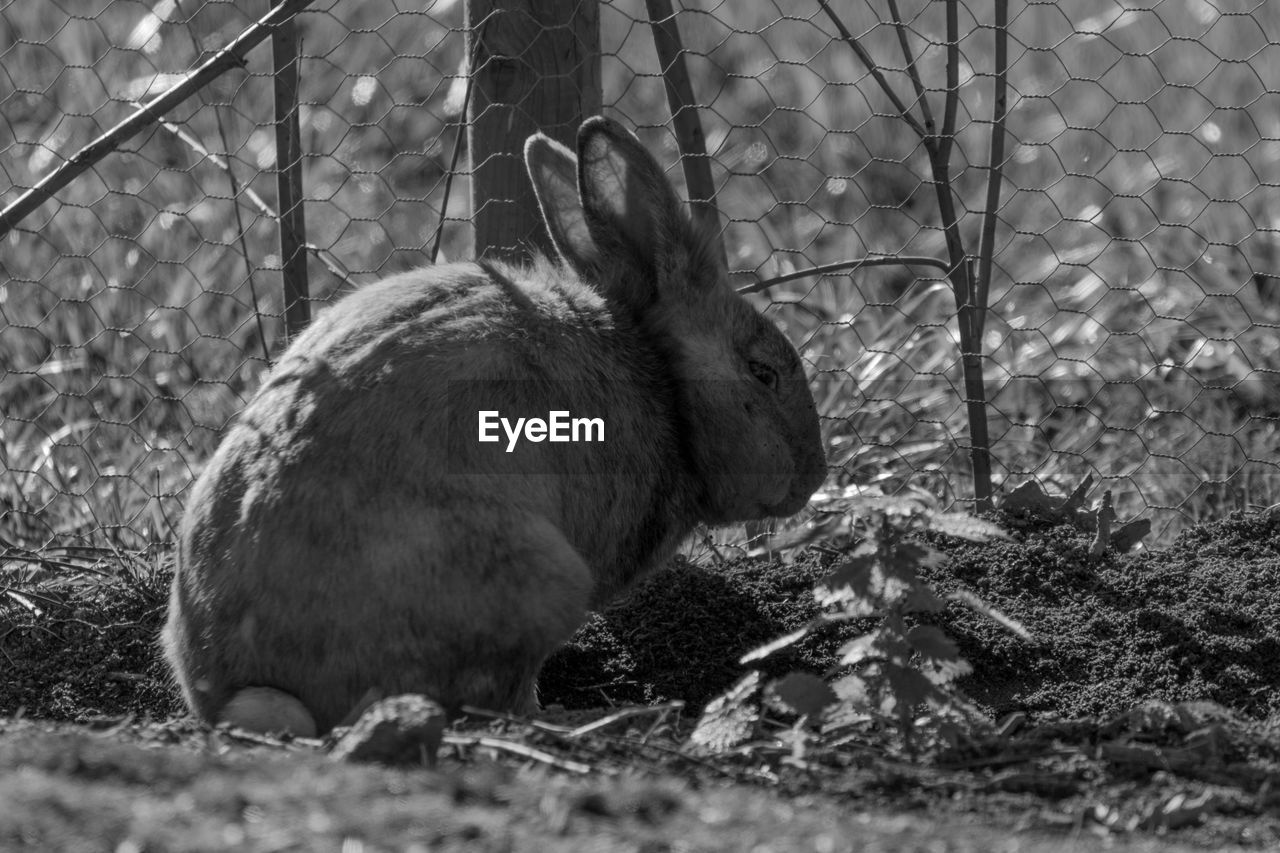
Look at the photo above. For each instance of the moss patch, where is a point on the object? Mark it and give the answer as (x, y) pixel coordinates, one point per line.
(680, 634)
(90, 648)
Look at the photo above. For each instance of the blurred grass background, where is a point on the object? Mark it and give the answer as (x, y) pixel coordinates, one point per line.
(1135, 324)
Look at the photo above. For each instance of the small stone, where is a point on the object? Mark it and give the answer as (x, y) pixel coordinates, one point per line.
(398, 730)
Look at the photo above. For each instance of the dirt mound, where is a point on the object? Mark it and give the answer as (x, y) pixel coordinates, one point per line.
(1198, 620)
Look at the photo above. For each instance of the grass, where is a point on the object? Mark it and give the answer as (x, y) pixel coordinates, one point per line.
(1134, 328)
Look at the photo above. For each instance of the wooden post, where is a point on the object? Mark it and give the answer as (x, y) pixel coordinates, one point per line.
(536, 68)
(684, 118)
(293, 225)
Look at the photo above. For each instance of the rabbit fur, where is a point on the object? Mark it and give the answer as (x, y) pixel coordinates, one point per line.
(351, 538)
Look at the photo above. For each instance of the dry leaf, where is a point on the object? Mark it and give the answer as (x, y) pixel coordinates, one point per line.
(730, 719)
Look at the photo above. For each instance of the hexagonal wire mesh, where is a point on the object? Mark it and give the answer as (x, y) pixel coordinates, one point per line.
(1134, 329)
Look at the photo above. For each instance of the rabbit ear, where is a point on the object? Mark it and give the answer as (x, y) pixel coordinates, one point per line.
(554, 172)
(631, 210)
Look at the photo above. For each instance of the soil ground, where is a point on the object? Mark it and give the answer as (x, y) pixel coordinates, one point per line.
(1144, 715)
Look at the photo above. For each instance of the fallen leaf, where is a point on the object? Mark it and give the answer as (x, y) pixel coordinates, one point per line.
(730, 719)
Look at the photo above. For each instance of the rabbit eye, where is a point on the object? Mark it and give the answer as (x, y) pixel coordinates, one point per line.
(764, 373)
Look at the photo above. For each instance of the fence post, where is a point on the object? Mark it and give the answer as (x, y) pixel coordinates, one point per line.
(293, 226)
(536, 67)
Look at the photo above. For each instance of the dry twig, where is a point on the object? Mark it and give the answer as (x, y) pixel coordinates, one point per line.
(520, 749)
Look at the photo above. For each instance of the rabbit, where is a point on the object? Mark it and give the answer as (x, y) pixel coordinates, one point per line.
(352, 537)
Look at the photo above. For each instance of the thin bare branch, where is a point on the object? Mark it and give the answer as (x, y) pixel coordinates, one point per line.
(913, 67)
(329, 259)
(872, 69)
(242, 235)
(962, 271)
(521, 750)
(953, 75)
(938, 147)
(940, 161)
(995, 165)
(975, 400)
(940, 166)
(839, 266)
(231, 56)
(517, 720)
(625, 714)
(973, 310)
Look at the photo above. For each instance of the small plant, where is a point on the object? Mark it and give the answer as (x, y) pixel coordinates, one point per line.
(887, 674)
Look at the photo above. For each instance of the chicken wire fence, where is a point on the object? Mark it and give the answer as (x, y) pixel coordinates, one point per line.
(1134, 330)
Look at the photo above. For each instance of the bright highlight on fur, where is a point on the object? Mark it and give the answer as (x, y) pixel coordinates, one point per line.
(346, 542)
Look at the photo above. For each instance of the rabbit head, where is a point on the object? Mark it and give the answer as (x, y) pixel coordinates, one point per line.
(748, 425)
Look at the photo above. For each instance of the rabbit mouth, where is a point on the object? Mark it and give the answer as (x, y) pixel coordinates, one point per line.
(788, 506)
(797, 496)
(767, 508)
